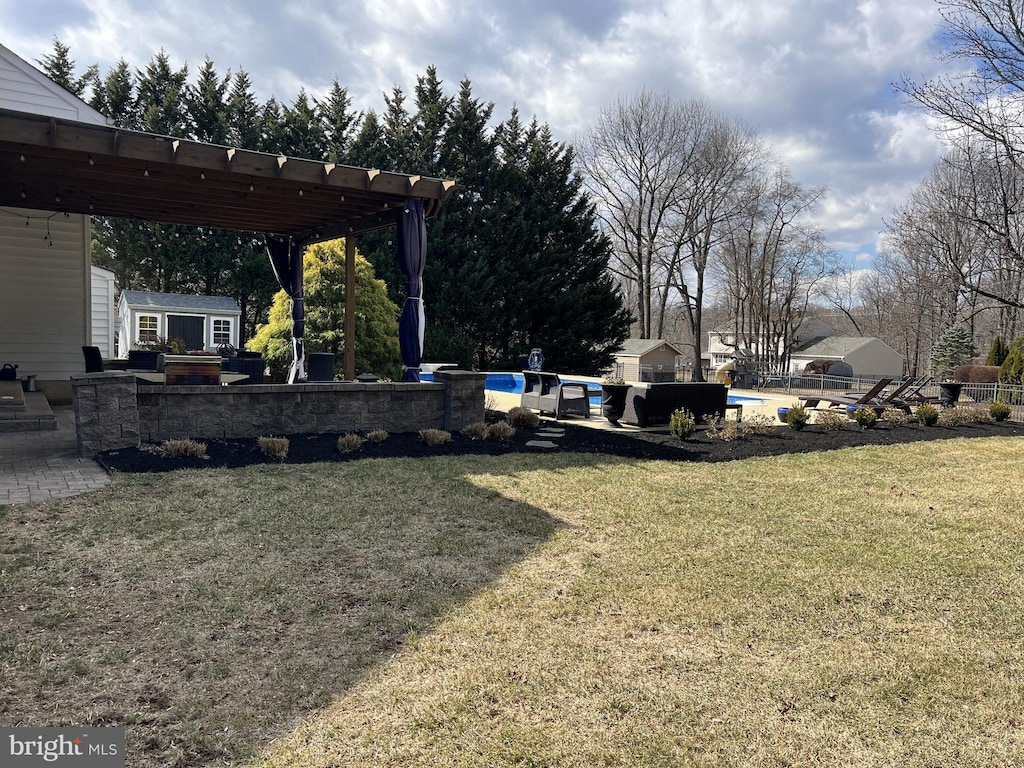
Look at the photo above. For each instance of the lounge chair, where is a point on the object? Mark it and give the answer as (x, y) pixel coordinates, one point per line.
(869, 398)
(547, 393)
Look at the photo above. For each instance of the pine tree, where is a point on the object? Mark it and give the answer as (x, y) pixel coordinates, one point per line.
(1012, 369)
(998, 352)
(115, 96)
(207, 105)
(433, 109)
(340, 123)
(303, 131)
(243, 114)
(161, 97)
(60, 67)
(953, 348)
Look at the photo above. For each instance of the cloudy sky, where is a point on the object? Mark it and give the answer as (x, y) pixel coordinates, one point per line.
(813, 77)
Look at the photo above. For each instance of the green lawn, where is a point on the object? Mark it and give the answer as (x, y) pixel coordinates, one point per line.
(856, 608)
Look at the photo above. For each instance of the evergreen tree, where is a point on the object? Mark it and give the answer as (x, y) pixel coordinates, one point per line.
(953, 348)
(324, 285)
(340, 123)
(207, 105)
(243, 114)
(115, 96)
(998, 352)
(1012, 369)
(428, 127)
(272, 133)
(464, 270)
(60, 67)
(368, 150)
(303, 133)
(161, 97)
(397, 132)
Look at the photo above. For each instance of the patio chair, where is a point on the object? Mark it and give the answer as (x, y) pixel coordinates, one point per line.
(545, 392)
(870, 398)
(93, 359)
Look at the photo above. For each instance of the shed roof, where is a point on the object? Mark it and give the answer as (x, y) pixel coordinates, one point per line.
(833, 346)
(182, 301)
(640, 347)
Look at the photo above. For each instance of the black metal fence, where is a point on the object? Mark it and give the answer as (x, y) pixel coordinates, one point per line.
(806, 384)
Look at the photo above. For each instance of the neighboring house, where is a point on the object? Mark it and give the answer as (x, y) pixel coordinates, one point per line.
(44, 255)
(647, 360)
(866, 355)
(201, 322)
(723, 347)
(104, 326)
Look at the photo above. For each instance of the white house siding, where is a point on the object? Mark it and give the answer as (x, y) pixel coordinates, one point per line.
(102, 311)
(44, 313)
(24, 88)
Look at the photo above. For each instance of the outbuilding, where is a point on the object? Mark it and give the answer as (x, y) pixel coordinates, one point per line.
(647, 360)
(866, 355)
(199, 322)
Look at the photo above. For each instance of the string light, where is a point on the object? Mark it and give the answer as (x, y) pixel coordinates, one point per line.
(91, 161)
(146, 172)
(202, 175)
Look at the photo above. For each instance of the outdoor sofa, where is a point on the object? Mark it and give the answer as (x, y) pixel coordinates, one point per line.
(654, 403)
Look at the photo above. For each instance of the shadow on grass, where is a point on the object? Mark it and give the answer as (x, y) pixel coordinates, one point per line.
(211, 611)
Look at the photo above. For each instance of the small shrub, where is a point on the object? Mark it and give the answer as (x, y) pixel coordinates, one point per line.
(865, 416)
(273, 446)
(894, 417)
(523, 418)
(348, 443)
(435, 437)
(759, 424)
(477, 431)
(726, 431)
(927, 414)
(956, 416)
(797, 416)
(178, 448)
(501, 430)
(377, 436)
(682, 424)
(831, 420)
(999, 411)
(980, 414)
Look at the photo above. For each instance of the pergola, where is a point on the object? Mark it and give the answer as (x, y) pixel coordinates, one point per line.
(62, 165)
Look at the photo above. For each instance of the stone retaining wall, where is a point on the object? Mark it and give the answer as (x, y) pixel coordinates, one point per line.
(111, 412)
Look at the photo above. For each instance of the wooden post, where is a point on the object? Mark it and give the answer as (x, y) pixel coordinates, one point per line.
(350, 307)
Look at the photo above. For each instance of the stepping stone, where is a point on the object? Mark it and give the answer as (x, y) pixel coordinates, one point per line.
(551, 432)
(540, 444)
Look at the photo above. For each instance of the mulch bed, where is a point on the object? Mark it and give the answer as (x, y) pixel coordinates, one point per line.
(624, 443)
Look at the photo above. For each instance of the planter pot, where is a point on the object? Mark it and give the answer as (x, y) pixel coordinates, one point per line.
(613, 401)
(782, 414)
(949, 392)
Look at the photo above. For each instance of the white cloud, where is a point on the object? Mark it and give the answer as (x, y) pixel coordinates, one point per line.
(813, 78)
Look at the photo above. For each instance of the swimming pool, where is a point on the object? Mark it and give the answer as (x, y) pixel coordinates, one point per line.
(512, 383)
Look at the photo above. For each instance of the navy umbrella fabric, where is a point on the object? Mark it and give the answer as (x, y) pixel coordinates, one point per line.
(412, 256)
(286, 261)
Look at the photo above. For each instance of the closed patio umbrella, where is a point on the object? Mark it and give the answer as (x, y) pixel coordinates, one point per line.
(412, 255)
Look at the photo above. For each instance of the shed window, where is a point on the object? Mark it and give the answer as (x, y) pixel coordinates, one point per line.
(149, 328)
(221, 331)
